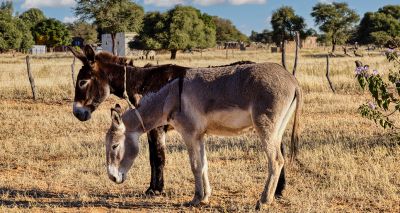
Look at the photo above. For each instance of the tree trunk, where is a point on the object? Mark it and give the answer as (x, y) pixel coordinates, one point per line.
(173, 54)
(333, 44)
(114, 49)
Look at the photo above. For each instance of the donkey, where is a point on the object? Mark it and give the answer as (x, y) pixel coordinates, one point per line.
(221, 101)
(102, 74)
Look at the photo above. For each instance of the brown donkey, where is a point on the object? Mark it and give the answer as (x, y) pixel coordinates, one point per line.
(220, 101)
(102, 74)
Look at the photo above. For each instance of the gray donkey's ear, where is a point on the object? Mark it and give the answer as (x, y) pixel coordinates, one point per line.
(116, 113)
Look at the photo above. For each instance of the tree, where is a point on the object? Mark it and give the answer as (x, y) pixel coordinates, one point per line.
(182, 27)
(226, 31)
(185, 29)
(10, 36)
(381, 26)
(14, 34)
(83, 30)
(6, 11)
(51, 32)
(154, 35)
(209, 39)
(336, 20)
(285, 23)
(26, 35)
(111, 16)
(32, 16)
(264, 37)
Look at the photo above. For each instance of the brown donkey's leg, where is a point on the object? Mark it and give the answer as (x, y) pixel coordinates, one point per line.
(156, 139)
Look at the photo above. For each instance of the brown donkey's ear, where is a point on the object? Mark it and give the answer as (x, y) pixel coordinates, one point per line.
(78, 54)
(89, 53)
(116, 113)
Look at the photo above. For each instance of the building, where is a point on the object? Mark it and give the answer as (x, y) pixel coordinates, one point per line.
(121, 43)
(310, 42)
(38, 49)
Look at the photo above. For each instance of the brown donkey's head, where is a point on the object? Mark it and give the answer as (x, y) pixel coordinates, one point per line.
(91, 87)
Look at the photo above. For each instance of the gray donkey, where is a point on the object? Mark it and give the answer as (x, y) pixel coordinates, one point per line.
(221, 101)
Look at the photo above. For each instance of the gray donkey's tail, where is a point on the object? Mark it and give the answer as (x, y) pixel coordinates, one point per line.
(296, 131)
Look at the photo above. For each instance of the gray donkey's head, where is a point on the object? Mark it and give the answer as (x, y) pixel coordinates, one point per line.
(122, 147)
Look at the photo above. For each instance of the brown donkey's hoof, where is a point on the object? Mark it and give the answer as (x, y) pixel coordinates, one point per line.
(152, 192)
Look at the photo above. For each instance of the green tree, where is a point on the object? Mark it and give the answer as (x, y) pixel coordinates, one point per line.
(285, 23)
(336, 20)
(26, 35)
(111, 16)
(182, 27)
(264, 37)
(32, 16)
(209, 39)
(383, 24)
(186, 29)
(51, 32)
(380, 38)
(154, 35)
(6, 11)
(10, 36)
(83, 30)
(14, 34)
(226, 31)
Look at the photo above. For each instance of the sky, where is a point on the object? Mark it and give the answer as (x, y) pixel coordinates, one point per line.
(246, 15)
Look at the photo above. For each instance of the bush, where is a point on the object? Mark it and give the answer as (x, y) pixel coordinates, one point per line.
(386, 102)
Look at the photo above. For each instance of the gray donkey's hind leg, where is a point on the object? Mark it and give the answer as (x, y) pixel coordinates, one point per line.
(268, 132)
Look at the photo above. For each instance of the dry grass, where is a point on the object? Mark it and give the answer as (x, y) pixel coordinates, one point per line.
(49, 161)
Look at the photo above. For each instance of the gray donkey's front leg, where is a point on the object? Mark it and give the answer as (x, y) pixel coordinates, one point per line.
(196, 156)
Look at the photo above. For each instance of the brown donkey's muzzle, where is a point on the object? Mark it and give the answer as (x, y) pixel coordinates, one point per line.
(81, 112)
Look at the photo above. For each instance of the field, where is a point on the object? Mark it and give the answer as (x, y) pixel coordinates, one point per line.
(50, 161)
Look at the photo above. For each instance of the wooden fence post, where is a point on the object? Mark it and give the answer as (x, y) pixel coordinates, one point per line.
(30, 76)
(284, 53)
(297, 40)
(73, 72)
(327, 74)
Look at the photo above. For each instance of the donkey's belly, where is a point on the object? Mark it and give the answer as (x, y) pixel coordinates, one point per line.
(228, 122)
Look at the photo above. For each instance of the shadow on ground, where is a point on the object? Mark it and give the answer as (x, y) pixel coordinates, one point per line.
(35, 198)
(22, 199)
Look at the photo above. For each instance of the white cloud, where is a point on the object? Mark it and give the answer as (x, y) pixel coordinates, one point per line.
(47, 3)
(208, 2)
(325, 1)
(164, 3)
(69, 19)
(240, 2)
